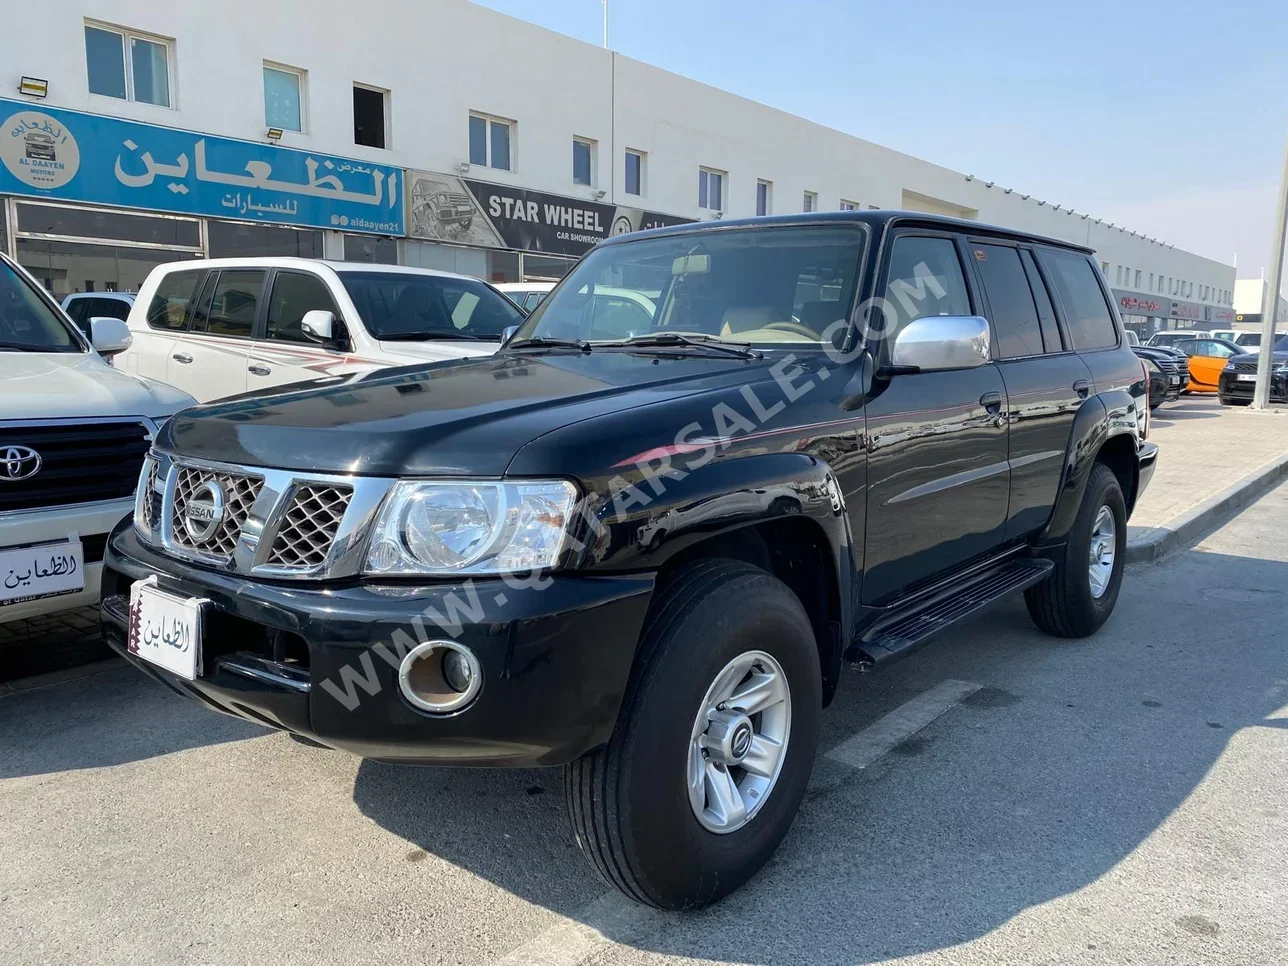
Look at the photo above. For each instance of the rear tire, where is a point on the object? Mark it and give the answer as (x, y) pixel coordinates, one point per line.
(1067, 604)
(630, 803)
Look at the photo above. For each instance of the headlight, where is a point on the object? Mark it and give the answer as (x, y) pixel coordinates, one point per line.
(469, 527)
(1153, 366)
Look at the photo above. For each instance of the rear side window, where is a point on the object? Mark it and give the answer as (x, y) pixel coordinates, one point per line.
(925, 278)
(1087, 315)
(109, 309)
(234, 304)
(295, 293)
(1013, 312)
(171, 306)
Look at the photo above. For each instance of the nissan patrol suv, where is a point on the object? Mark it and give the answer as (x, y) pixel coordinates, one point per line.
(647, 558)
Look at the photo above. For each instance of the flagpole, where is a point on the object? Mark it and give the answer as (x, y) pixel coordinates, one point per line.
(604, 4)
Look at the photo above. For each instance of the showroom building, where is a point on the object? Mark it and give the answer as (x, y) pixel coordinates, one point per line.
(135, 132)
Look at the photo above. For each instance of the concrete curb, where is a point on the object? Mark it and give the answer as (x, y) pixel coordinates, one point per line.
(1158, 542)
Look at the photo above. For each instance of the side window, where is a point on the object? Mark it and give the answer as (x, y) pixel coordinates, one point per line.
(295, 293)
(1010, 301)
(1046, 311)
(172, 303)
(76, 310)
(533, 300)
(924, 278)
(111, 309)
(1087, 315)
(234, 303)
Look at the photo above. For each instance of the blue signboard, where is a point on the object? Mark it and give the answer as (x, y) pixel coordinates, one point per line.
(85, 157)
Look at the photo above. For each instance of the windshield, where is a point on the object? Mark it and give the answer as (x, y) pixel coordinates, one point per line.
(766, 286)
(403, 306)
(27, 322)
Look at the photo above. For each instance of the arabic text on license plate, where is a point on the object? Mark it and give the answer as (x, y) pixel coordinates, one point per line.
(41, 570)
(165, 629)
(1247, 377)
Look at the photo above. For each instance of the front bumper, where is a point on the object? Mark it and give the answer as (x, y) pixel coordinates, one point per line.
(1229, 387)
(90, 521)
(555, 659)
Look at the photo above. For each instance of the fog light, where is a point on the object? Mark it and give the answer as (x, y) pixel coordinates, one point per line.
(440, 676)
(457, 671)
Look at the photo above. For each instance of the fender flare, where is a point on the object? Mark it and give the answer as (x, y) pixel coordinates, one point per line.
(1099, 419)
(716, 501)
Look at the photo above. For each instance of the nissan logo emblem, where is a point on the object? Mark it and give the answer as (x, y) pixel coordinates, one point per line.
(204, 511)
(740, 743)
(18, 463)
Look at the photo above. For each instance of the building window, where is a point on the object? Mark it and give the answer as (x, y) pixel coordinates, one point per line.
(1104, 269)
(634, 172)
(370, 116)
(849, 205)
(490, 141)
(1151, 281)
(143, 75)
(583, 161)
(283, 97)
(711, 189)
(810, 202)
(764, 197)
(1137, 285)
(1118, 276)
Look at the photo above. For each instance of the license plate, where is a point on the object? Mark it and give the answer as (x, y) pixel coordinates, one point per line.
(1247, 377)
(1176, 380)
(165, 629)
(41, 570)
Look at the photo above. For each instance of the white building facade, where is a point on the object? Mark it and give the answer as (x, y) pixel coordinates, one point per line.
(435, 133)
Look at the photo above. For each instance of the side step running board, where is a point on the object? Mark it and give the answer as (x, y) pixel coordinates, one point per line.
(903, 631)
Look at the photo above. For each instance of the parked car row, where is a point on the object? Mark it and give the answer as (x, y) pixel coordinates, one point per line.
(1201, 362)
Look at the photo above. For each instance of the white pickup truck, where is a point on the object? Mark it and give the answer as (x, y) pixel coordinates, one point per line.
(73, 434)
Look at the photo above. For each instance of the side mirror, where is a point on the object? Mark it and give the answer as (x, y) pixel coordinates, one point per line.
(938, 342)
(319, 325)
(109, 336)
(508, 333)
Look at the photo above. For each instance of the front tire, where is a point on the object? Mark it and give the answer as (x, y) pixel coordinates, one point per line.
(1079, 595)
(686, 802)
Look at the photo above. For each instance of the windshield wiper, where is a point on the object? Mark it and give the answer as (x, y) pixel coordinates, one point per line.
(545, 342)
(664, 340)
(427, 336)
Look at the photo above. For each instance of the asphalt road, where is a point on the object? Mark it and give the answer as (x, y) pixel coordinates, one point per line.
(1118, 800)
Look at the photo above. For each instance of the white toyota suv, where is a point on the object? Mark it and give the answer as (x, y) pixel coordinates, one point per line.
(73, 434)
(224, 326)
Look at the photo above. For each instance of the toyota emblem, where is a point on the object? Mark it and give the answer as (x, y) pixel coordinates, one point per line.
(18, 463)
(204, 511)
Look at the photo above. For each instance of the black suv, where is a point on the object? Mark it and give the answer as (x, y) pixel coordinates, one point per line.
(717, 462)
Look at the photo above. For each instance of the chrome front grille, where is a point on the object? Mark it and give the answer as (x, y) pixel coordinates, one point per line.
(273, 523)
(308, 528)
(239, 493)
(148, 505)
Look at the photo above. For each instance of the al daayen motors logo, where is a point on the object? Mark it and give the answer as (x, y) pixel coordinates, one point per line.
(38, 150)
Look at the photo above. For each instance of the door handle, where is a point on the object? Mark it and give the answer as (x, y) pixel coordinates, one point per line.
(182, 357)
(1082, 388)
(992, 403)
(256, 369)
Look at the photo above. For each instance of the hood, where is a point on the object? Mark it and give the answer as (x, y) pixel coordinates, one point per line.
(433, 350)
(452, 419)
(58, 385)
(1278, 358)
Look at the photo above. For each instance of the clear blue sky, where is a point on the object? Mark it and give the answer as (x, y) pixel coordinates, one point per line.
(1167, 117)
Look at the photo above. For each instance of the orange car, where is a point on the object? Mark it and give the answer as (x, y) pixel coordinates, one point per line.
(1208, 358)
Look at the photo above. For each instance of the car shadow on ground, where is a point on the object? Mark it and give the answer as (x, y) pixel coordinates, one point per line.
(1065, 762)
(62, 727)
